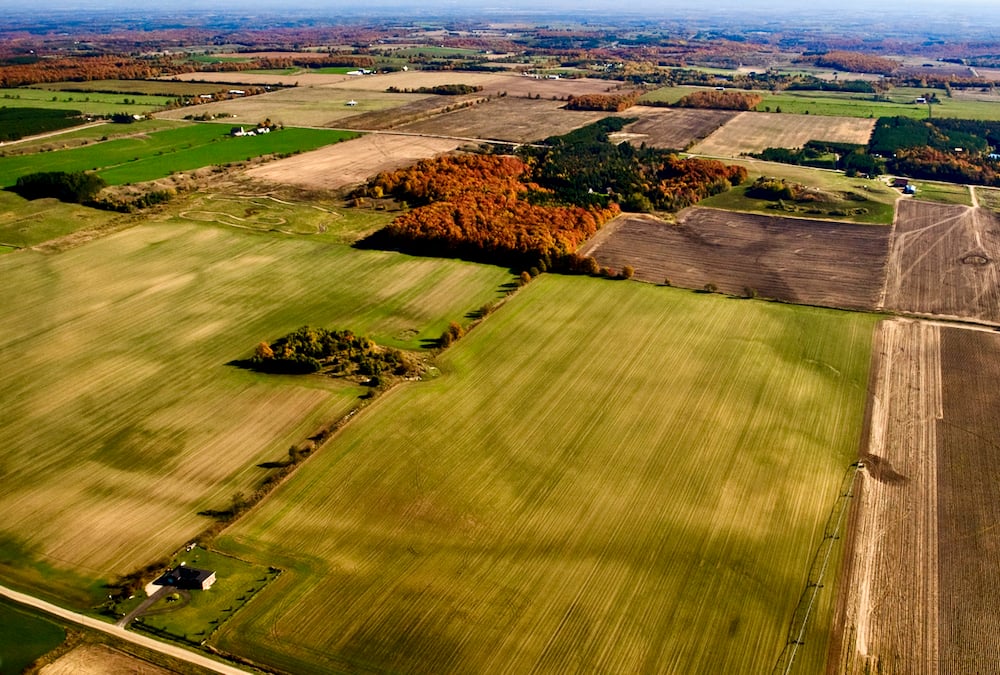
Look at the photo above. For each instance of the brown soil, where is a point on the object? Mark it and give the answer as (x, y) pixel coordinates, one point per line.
(100, 660)
(753, 132)
(673, 128)
(351, 162)
(796, 260)
(943, 261)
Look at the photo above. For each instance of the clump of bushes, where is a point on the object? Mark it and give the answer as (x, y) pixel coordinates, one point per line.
(76, 187)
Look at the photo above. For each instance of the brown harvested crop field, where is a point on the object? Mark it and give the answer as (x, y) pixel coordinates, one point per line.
(920, 592)
(672, 128)
(517, 120)
(753, 131)
(302, 106)
(492, 83)
(351, 162)
(811, 262)
(100, 660)
(943, 261)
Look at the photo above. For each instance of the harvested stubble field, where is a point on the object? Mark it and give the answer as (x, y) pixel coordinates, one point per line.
(596, 483)
(920, 593)
(352, 162)
(492, 83)
(298, 106)
(673, 129)
(943, 261)
(100, 660)
(796, 260)
(753, 132)
(122, 419)
(28, 223)
(516, 120)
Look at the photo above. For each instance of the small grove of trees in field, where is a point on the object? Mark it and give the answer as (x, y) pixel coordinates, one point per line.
(440, 90)
(720, 100)
(795, 197)
(602, 102)
(339, 353)
(854, 62)
(76, 187)
(942, 149)
(849, 157)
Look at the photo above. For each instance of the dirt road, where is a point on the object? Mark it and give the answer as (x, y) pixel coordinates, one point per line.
(121, 633)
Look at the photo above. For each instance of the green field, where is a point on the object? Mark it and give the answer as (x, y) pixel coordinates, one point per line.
(24, 637)
(607, 477)
(172, 88)
(89, 103)
(122, 419)
(880, 204)
(843, 104)
(947, 193)
(146, 157)
(27, 223)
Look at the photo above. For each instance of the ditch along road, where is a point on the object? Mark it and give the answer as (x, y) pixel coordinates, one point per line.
(122, 634)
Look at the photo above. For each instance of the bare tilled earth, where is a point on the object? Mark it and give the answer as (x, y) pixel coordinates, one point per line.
(351, 162)
(518, 120)
(100, 660)
(969, 503)
(887, 615)
(672, 128)
(920, 591)
(944, 261)
(754, 131)
(796, 260)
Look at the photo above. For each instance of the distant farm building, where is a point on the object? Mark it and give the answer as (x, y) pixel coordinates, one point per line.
(183, 578)
(352, 102)
(900, 182)
(237, 92)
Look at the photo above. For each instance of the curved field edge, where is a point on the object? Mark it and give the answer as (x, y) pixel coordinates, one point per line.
(608, 477)
(121, 418)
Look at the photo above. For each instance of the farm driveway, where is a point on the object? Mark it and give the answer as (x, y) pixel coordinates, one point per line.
(121, 633)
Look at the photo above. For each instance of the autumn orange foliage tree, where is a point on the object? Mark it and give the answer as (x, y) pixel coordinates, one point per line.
(603, 102)
(721, 100)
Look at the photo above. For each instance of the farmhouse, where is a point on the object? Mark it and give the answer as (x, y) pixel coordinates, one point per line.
(183, 577)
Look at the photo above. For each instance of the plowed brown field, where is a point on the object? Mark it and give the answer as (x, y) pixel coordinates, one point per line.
(753, 131)
(351, 162)
(811, 262)
(672, 128)
(944, 261)
(920, 589)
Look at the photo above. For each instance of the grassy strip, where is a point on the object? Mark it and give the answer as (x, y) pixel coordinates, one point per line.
(89, 103)
(25, 637)
(609, 474)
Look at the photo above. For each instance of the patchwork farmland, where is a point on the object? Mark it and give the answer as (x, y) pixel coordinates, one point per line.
(791, 259)
(751, 132)
(460, 526)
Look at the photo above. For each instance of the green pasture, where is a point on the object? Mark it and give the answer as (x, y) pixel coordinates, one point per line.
(880, 204)
(86, 135)
(172, 88)
(147, 157)
(89, 103)
(122, 419)
(26, 223)
(947, 193)
(607, 477)
(24, 637)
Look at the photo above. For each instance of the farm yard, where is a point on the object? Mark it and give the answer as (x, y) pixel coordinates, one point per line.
(943, 262)
(125, 341)
(637, 521)
(789, 259)
(920, 592)
(753, 132)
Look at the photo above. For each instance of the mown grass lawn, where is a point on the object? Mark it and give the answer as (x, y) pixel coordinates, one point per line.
(607, 477)
(158, 154)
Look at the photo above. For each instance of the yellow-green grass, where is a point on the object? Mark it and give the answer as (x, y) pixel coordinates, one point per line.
(988, 197)
(26, 223)
(25, 637)
(607, 477)
(89, 103)
(947, 193)
(121, 418)
(141, 158)
(87, 134)
(880, 205)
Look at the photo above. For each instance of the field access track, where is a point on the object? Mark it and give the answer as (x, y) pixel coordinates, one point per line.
(921, 592)
(943, 261)
(813, 262)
